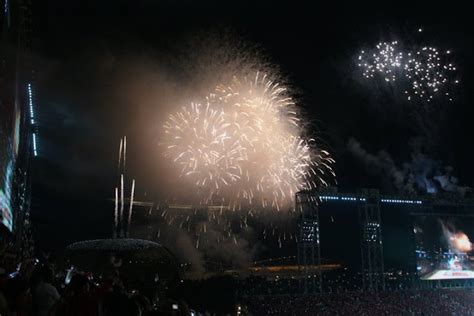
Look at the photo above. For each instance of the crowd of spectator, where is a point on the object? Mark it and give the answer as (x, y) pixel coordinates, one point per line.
(36, 290)
(258, 285)
(406, 302)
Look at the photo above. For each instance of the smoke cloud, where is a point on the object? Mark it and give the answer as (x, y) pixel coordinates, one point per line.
(420, 175)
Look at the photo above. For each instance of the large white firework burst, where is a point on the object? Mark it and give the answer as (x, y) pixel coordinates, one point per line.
(198, 139)
(246, 146)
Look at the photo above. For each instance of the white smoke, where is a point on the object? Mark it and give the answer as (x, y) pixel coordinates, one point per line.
(420, 175)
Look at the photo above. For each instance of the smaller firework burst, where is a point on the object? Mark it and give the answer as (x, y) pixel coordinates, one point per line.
(424, 73)
(386, 61)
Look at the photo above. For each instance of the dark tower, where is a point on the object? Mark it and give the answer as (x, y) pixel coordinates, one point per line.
(309, 255)
(371, 240)
(17, 94)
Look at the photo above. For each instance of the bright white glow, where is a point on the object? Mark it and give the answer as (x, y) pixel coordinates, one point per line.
(34, 145)
(245, 145)
(341, 198)
(350, 198)
(30, 102)
(32, 117)
(401, 201)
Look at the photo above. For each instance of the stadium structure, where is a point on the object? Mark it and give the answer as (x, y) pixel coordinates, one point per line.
(18, 125)
(366, 233)
(376, 234)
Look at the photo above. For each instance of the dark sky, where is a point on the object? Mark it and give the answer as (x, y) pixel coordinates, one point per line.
(82, 47)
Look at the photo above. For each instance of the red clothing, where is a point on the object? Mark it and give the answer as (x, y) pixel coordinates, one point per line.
(80, 304)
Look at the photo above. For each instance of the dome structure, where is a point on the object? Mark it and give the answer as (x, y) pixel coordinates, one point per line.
(140, 262)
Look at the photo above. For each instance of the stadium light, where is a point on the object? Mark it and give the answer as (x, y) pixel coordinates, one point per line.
(355, 199)
(35, 152)
(32, 119)
(30, 101)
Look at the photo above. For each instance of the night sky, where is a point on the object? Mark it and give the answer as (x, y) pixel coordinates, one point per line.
(91, 54)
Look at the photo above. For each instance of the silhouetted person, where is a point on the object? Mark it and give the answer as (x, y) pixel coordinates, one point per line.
(17, 290)
(45, 295)
(117, 303)
(77, 300)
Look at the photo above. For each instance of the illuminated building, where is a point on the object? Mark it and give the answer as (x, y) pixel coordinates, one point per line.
(18, 130)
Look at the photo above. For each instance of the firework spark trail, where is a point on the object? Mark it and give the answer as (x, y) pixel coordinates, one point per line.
(121, 204)
(130, 210)
(198, 140)
(116, 213)
(124, 153)
(120, 154)
(426, 73)
(245, 144)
